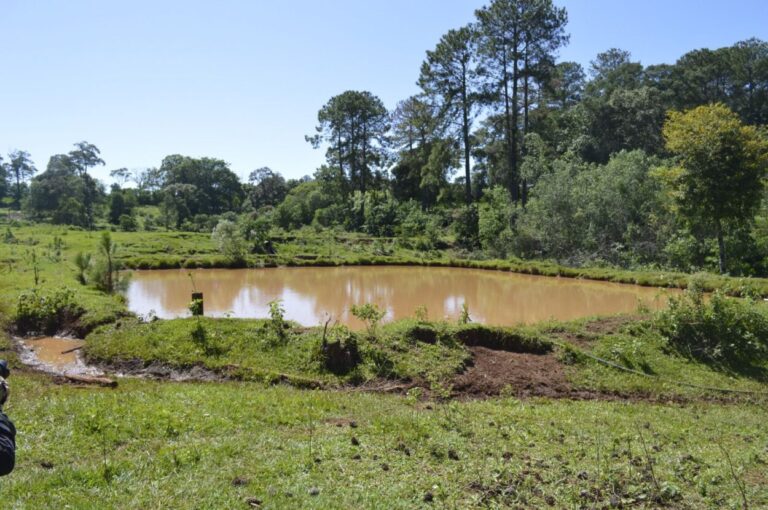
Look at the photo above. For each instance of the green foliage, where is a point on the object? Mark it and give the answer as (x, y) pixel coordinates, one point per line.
(196, 307)
(46, 311)
(464, 317)
(229, 240)
(370, 314)
(721, 164)
(354, 124)
(612, 212)
(277, 322)
(495, 222)
(65, 193)
(105, 271)
(466, 227)
(255, 230)
(198, 186)
(83, 264)
(55, 249)
(8, 237)
(379, 213)
(128, 223)
(727, 332)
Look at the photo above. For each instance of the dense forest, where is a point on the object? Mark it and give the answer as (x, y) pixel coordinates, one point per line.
(505, 151)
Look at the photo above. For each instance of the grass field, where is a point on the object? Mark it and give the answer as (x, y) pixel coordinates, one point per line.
(259, 436)
(214, 445)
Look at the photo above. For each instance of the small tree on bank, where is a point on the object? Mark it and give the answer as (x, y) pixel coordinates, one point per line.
(105, 272)
(229, 241)
(720, 166)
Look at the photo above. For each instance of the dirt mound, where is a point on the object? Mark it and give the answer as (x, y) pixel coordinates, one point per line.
(515, 373)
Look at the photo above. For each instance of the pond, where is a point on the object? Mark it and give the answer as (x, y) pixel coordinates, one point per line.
(311, 294)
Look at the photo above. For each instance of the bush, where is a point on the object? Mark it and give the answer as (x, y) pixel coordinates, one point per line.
(495, 222)
(370, 314)
(729, 332)
(466, 226)
(128, 223)
(46, 312)
(229, 240)
(277, 323)
(255, 230)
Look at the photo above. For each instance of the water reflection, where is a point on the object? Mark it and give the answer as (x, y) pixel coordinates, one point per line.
(308, 294)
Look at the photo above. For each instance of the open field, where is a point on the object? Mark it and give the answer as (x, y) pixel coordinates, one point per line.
(433, 415)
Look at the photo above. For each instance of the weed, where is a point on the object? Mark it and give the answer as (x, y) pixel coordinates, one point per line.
(464, 317)
(277, 324)
(370, 314)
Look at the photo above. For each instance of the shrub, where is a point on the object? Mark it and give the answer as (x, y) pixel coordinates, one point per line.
(725, 331)
(495, 222)
(83, 264)
(370, 314)
(255, 230)
(105, 274)
(277, 322)
(128, 223)
(46, 312)
(466, 227)
(229, 240)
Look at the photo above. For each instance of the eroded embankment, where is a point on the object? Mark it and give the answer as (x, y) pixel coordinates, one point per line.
(500, 362)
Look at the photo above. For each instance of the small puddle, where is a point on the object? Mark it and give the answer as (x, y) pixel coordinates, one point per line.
(55, 355)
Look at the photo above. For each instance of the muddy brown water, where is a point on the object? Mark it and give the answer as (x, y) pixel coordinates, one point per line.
(56, 355)
(309, 294)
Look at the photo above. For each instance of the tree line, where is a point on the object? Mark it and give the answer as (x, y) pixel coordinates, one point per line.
(504, 148)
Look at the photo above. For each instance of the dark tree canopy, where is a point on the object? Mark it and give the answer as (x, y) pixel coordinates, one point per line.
(450, 78)
(63, 195)
(217, 189)
(266, 187)
(19, 170)
(354, 125)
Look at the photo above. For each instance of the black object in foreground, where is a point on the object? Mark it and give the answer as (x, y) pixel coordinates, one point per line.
(7, 430)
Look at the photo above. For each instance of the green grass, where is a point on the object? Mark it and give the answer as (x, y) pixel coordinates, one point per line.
(640, 347)
(181, 445)
(425, 353)
(249, 350)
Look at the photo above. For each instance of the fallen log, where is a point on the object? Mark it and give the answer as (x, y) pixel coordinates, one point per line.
(87, 379)
(73, 349)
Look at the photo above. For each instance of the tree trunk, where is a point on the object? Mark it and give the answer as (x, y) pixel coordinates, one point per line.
(721, 247)
(526, 64)
(465, 133)
(341, 163)
(515, 115)
(18, 191)
(508, 126)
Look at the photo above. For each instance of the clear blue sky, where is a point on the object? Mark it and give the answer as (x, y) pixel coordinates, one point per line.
(243, 80)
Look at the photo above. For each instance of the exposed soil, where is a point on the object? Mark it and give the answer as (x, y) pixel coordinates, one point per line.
(492, 372)
(520, 374)
(161, 371)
